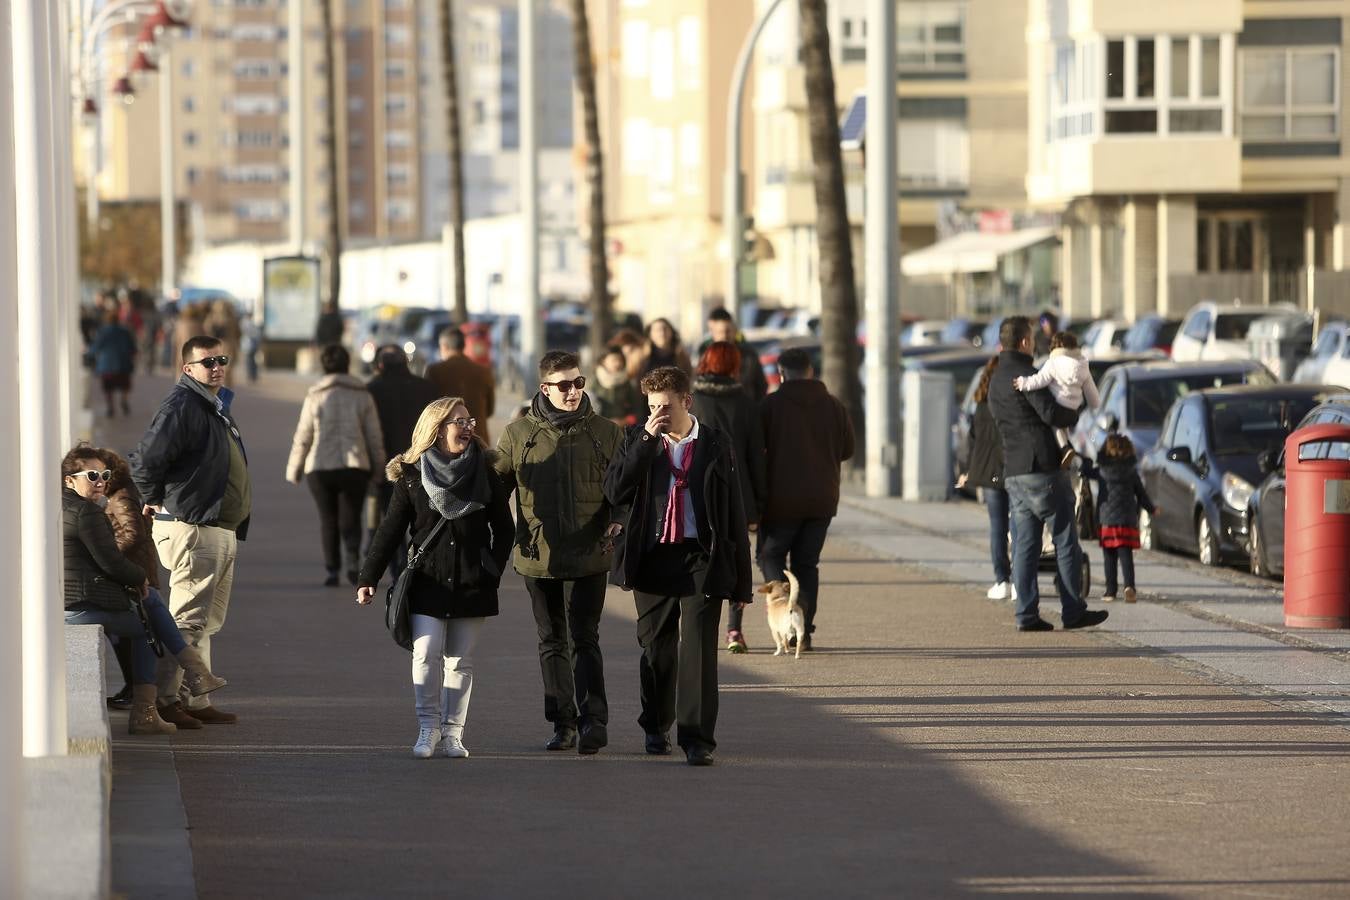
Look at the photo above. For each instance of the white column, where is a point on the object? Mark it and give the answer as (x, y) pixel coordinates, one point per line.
(531, 328)
(1340, 228)
(881, 238)
(295, 45)
(11, 621)
(40, 581)
(63, 200)
(168, 219)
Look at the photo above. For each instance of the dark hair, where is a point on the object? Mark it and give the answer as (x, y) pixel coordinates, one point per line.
(721, 358)
(613, 350)
(1013, 331)
(121, 472)
(982, 389)
(1118, 448)
(390, 358)
(666, 380)
(1065, 339)
(80, 451)
(674, 332)
(199, 342)
(720, 314)
(335, 360)
(794, 361)
(1049, 318)
(452, 337)
(557, 361)
(626, 337)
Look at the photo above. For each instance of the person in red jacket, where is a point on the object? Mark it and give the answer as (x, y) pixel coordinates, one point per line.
(807, 436)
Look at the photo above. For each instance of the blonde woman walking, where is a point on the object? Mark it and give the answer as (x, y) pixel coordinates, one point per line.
(445, 476)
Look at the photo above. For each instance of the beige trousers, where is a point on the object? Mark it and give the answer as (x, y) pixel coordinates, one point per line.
(200, 560)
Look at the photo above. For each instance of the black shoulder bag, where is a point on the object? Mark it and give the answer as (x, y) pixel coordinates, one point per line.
(396, 615)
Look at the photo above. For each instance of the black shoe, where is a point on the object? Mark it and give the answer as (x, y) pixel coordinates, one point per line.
(658, 745)
(593, 737)
(121, 699)
(699, 756)
(331, 580)
(564, 738)
(806, 644)
(1037, 625)
(1088, 619)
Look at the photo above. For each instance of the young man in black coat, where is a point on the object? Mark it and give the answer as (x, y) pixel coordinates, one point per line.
(684, 548)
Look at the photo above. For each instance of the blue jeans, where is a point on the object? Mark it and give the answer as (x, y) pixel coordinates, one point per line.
(1038, 500)
(126, 626)
(996, 502)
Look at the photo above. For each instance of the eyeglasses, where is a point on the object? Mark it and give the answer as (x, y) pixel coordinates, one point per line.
(566, 387)
(94, 475)
(211, 362)
(462, 423)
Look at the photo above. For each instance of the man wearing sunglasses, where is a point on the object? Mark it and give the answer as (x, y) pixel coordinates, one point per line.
(554, 458)
(192, 473)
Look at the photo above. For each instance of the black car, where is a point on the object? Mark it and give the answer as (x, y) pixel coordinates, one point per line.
(1265, 509)
(1204, 469)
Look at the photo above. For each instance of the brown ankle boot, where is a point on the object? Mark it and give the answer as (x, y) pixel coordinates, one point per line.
(212, 716)
(197, 676)
(174, 713)
(144, 718)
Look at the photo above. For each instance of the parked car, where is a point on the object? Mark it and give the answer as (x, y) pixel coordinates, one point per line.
(1104, 337)
(1136, 396)
(389, 324)
(1265, 509)
(1151, 333)
(1212, 331)
(925, 331)
(1333, 342)
(1281, 342)
(1203, 470)
(963, 331)
(794, 321)
(989, 337)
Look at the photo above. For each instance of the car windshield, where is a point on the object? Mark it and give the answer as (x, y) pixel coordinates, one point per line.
(1149, 400)
(1248, 425)
(1234, 326)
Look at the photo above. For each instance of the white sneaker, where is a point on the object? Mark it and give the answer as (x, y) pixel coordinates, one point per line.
(454, 747)
(1108, 598)
(427, 739)
(1012, 591)
(1001, 591)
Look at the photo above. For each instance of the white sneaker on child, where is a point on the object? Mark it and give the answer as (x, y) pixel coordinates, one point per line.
(1001, 591)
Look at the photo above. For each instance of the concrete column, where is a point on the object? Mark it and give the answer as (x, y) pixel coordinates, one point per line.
(168, 214)
(11, 530)
(63, 198)
(1139, 221)
(1340, 228)
(36, 223)
(1176, 245)
(1096, 266)
(531, 328)
(1067, 299)
(295, 116)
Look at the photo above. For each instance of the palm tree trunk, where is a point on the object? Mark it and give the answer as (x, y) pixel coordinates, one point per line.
(455, 149)
(335, 213)
(584, 60)
(838, 290)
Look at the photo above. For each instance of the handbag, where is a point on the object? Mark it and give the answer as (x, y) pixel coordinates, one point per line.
(156, 645)
(396, 615)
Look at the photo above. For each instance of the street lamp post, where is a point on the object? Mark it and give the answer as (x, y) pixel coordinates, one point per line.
(168, 219)
(531, 329)
(295, 114)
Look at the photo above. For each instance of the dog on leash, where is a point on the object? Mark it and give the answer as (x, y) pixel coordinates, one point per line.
(786, 619)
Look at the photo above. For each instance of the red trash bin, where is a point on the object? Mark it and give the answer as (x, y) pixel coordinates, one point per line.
(1317, 528)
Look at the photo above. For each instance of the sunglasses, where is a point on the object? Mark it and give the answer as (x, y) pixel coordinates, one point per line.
(564, 387)
(211, 362)
(463, 423)
(94, 475)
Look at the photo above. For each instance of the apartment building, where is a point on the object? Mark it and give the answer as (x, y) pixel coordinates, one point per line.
(961, 89)
(230, 122)
(1195, 148)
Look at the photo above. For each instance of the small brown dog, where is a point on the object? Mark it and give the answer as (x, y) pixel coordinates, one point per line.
(786, 619)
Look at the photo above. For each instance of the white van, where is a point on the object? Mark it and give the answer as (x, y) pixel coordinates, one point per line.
(1211, 331)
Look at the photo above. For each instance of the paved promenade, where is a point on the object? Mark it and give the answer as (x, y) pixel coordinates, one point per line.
(926, 749)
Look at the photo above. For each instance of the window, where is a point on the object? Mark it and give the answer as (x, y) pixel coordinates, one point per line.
(189, 138)
(258, 210)
(930, 36)
(691, 158)
(934, 154)
(1072, 91)
(636, 150)
(395, 70)
(1190, 430)
(253, 104)
(397, 139)
(662, 184)
(1195, 88)
(1131, 106)
(1291, 94)
(356, 103)
(1197, 327)
(397, 35)
(398, 174)
(691, 57)
(635, 49)
(397, 104)
(398, 210)
(189, 105)
(663, 64)
(255, 68)
(254, 32)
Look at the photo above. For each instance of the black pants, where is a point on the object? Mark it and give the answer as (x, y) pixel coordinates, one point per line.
(795, 545)
(567, 614)
(1110, 556)
(339, 494)
(678, 635)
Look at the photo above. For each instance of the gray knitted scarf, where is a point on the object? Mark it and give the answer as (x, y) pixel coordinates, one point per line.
(456, 485)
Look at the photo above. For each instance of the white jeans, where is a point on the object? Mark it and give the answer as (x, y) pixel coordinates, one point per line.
(451, 641)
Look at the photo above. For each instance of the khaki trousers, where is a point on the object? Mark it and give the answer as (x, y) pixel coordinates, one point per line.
(200, 560)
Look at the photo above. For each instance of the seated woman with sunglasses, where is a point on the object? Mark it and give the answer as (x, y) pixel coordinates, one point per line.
(101, 584)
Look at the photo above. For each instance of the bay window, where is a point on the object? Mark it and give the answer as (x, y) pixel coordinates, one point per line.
(1291, 94)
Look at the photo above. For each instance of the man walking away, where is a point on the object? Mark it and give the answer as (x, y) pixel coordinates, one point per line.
(684, 547)
(1038, 489)
(458, 376)
(400, 396)
(330, 327)
(722, 327)
(192, 473)
(553, 458)
(807, 436)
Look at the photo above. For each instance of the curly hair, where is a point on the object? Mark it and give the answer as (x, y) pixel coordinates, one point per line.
(121, 471)
(986, 375)
(70, 462)
(721, 358)
(665, 380)
(1118, 448)
(1066, 340)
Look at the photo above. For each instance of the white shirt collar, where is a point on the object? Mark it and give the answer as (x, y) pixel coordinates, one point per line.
(691, 436)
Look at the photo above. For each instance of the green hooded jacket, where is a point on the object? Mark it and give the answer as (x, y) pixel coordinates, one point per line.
(558, 477)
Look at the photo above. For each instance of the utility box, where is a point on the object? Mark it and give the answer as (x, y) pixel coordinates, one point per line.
(1317, 527)
(926, 462)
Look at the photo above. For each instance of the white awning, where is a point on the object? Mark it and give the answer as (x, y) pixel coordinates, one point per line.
(971, 251)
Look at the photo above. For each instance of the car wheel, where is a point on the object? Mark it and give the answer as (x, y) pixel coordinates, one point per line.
(1146, 539)
(1256, 554)
(1206, 540)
